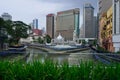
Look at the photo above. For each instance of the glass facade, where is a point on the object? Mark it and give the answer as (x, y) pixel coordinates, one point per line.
(77, 31)
(67, 23)
(35, 23)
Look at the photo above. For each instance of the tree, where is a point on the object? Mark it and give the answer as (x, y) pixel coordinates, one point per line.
(40, 40)
(3, 33)
(17, 30)
(2, 22)
(83, 42)
(48, 38)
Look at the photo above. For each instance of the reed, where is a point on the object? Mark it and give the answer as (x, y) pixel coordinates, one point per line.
(52, 71)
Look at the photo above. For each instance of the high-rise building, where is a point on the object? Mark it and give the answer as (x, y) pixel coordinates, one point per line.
(88, 21)
(50, 25)
(116, 25)
(30, 30)
(104, 5)
(97, 29)
(95, 26)
(106, 30)
(105, 24)
(81, 31)
(6, 16)
(67, 23)
(35, 23)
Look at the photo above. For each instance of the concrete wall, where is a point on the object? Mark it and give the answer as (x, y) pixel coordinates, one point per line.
(116, 25)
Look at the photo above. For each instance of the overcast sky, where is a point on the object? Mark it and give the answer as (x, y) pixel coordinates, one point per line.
(27, 10)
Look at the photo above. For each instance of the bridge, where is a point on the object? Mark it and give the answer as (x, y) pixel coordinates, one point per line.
(86, 39)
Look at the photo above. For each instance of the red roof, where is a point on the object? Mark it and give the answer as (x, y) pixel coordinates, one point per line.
(59, 13)
(49, 15)
(37, 31)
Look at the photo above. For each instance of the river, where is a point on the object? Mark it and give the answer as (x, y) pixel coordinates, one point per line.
(72, 58)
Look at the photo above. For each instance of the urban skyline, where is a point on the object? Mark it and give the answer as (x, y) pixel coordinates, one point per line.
(79, 42)
(38, 9)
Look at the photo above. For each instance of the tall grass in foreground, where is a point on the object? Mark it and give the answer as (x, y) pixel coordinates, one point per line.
(51, 71)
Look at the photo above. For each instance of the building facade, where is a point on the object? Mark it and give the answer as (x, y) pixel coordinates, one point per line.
(95, 26)
(116, 25)
(109, 29)
(35, 24)
(102, 24)
(88, 21)
(105, 24)
(81, 31)
(50, 25)
(67, 24)
(6, 16)
(106, 30)
(104, 5)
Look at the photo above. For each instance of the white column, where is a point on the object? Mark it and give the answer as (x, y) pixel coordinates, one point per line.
(117, 49)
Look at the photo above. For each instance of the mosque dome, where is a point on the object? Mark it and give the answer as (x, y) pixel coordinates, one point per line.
(58, 40)
(60, 37)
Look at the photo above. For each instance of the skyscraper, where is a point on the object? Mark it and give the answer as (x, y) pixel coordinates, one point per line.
(104, 5)
(116, 25)
(81, 31)
(95, 26)
(88, 19)
(50, 25)
(35, 23)
(105, 24)
(6, 16)
(67, 23)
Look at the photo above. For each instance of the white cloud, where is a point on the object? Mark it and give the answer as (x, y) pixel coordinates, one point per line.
(27, 10)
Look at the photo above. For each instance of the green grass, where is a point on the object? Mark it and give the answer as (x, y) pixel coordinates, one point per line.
(52, 71)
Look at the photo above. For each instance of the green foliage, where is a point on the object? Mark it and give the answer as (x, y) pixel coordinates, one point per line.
(2, 23)
(3, 33)
(102, 49)
(40, 40)
(95, 42)
(118, 52)
(2, 28)
(84, 42)
(51, 71)
(48, 38)
(16, 29)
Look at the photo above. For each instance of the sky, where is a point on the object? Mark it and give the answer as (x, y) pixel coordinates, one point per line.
(27, 10)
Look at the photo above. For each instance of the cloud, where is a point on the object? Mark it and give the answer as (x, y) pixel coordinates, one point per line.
(27, 10)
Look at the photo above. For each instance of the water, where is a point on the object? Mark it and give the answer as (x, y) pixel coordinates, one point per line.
(63, 47)
(72, 58)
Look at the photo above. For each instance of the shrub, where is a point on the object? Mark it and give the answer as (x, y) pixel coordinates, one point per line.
(52, 71)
